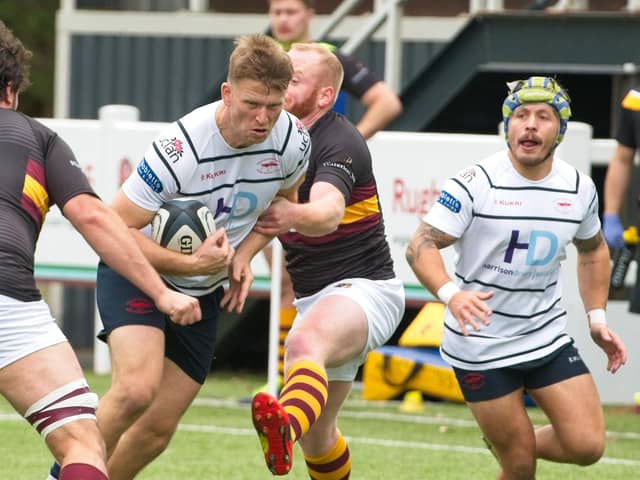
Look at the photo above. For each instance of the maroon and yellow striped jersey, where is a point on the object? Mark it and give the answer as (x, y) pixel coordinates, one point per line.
(38, 171)
(358, 248)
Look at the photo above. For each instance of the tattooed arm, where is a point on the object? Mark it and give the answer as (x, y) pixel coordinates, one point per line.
(423, 256)
(594, 270)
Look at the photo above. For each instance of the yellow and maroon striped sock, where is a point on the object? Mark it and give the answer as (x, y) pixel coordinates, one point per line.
(333, 465)
(304, 395)
(287, 316)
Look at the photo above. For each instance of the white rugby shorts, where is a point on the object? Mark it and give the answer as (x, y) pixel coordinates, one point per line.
(25, 327)
(383, 302)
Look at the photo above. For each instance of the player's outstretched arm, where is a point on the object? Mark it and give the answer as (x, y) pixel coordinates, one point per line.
(319, 216)
(611, 344)
(616, 184)
(594, 269)
(108, 235)
(382, 105)
(424, 258)
(616, 181)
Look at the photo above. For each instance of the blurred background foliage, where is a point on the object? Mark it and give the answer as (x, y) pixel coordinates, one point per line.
(33, 22)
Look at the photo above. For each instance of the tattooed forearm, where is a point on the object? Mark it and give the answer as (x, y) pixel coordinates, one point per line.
(427, 237)
(589, 244)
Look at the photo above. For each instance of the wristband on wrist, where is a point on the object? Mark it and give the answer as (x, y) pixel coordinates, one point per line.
(447, 291)
(597, 316)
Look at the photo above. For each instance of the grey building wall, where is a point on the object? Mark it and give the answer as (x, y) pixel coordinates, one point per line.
(166, 77)
(163, 76)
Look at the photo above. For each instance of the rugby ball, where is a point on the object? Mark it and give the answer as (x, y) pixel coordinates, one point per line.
(182, 225)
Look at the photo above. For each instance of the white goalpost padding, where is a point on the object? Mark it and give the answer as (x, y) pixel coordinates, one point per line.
(274, 317)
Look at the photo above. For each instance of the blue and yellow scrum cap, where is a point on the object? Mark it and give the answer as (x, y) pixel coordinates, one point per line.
(537, 90)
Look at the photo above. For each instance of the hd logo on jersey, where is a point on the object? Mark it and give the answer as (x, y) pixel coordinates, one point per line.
(541, 249)
(243, 204)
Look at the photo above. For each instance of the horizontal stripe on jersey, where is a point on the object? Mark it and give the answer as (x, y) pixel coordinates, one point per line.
(38, 171)
(192, 159)
(512, 234)
(358, 248)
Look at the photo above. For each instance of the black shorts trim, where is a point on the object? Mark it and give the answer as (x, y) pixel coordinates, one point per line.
(481, 385)
(191, 347)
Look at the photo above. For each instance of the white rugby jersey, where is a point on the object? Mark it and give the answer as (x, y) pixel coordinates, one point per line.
(513, 233)
(191, 159)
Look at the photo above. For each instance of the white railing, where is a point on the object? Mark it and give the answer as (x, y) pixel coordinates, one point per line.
(391, 13)
(71, 21)
(475, 6)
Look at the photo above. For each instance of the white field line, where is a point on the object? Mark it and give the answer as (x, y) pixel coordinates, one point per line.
(383, 442)
(394, 417)
(10, 417)
(4, 417)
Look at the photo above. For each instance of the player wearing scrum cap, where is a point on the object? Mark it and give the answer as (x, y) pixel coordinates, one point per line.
(510, 218)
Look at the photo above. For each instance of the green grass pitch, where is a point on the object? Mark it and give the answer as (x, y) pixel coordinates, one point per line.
(215, 439)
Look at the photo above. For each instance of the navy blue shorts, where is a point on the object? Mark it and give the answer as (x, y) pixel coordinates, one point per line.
(190, 347)
(480, 385)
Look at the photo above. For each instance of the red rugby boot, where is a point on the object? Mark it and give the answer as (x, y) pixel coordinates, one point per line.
(274, 431)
